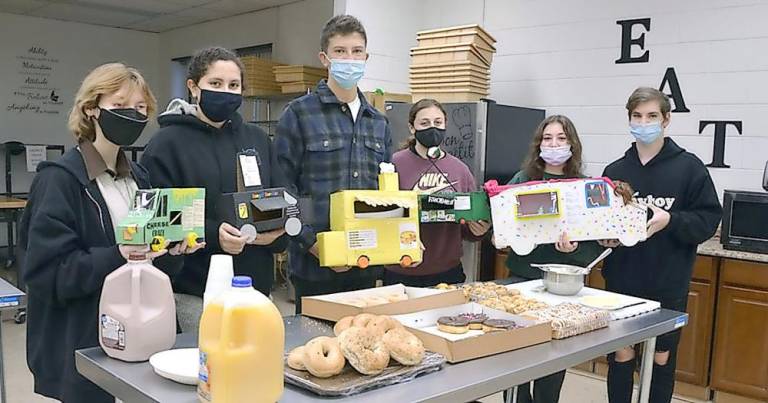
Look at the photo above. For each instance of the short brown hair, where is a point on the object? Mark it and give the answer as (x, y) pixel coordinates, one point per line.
(415, 109)
(341, 25)
(646, 94)
(534, 164)
(104, 80)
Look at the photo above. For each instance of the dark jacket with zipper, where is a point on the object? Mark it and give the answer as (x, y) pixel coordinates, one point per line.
(187, 152)
(68, 249)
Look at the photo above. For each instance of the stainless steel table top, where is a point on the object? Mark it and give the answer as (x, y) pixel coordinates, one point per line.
(136, 382)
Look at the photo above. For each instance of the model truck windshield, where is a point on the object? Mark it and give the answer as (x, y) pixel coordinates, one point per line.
(145, 199)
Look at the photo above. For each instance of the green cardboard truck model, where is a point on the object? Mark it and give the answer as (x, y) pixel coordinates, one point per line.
(160, 215)
(458, 207)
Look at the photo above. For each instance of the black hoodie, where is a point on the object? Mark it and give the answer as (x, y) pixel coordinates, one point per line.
(68, 249)
(678, 182)
(187, 152)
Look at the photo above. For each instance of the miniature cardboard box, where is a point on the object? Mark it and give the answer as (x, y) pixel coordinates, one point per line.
(372, 227)
(263, 209)
(160, 215)
(534, 213)
(454, 207)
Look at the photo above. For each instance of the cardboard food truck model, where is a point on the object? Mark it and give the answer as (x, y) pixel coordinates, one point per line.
(529, 214)
(372, 227)
(261, 210)
(460, 207)
(160, 215)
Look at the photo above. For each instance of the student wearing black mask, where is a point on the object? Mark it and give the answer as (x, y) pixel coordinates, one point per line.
(67, 233)
(197, 146)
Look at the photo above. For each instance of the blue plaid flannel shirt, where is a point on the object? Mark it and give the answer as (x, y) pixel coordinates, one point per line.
(322, 150)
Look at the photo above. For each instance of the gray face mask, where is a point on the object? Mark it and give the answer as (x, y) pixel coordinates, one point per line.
(122, 127)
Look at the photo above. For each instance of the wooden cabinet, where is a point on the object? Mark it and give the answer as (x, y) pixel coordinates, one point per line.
(695, 347)
(740, 362)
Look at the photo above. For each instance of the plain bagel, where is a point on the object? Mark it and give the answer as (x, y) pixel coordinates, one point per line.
(403, 346)
(296, 359)
(342, 325)
(323, 357)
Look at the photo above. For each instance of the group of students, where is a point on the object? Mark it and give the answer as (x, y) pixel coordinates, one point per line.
(329, 140)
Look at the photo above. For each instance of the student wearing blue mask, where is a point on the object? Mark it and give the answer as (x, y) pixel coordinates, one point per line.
(685, 212)
(331, 140)
(197, 146)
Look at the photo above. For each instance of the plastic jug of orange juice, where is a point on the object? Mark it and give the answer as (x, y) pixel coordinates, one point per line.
(137, 313)
(241, 343)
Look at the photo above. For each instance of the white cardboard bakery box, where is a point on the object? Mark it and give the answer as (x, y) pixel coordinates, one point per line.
(332, 306)
(474, 343)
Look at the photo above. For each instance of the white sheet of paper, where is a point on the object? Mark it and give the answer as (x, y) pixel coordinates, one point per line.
(250, 168)
(35, 155)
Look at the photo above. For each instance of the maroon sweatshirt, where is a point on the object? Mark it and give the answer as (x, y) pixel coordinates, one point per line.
(442, 241)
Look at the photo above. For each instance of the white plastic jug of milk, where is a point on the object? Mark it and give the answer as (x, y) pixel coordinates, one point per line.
(137, 313)
(220, 274)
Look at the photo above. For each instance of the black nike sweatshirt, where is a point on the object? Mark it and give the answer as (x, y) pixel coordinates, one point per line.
(678, 182)
(187, 152)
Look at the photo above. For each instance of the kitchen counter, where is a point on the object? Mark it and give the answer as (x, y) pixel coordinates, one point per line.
(712, 247)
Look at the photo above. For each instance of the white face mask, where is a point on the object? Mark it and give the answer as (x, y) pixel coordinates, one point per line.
(556, 155)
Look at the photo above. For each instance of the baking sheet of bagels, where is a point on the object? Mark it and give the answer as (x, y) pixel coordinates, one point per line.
(474, 343)
(390, 300)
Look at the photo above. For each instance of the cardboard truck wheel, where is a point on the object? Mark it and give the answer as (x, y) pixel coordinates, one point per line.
(292, 226)
(363, 262)
(157, 243)
(191, 239)
(523, 248)
(249, 232)
(406, 261)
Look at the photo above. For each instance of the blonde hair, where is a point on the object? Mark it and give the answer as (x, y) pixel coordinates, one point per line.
(104, 80)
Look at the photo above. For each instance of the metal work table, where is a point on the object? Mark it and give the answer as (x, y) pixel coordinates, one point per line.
(460, 382)
(11, 298)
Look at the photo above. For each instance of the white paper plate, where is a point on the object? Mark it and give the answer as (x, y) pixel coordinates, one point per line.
(606, 302)
(179, 365)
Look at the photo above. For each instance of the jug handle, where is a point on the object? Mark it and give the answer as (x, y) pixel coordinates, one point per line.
(135, 286)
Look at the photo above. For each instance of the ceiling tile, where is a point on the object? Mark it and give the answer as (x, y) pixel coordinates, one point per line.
(88, 15)
(20, 6)
(162, 23)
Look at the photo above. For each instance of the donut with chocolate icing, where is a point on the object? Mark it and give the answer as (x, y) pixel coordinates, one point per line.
(453, 324)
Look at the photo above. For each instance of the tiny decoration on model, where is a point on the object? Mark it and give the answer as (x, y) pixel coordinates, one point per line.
(533, 213)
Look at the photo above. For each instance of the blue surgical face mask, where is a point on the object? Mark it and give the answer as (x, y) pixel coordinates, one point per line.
(555, 155)
(646, 134)
(347, 73)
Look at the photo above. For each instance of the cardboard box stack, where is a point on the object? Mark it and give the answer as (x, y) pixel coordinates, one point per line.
(259, 77)
(295, 79)
(452, 64)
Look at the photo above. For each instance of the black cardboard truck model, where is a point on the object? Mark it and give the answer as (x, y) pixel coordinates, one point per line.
(261, 210)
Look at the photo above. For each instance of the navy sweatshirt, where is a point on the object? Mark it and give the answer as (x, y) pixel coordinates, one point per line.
(677, 181)
(187, 152)
(68, 248)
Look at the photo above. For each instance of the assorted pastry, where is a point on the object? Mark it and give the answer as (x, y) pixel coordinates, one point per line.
(516, 304)
(374, 299)
(460, 324)
(366, 341)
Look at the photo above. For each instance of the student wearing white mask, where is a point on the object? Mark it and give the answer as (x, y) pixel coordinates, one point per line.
(555, 153)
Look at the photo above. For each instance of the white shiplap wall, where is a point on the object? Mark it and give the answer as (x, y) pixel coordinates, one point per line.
(560, 55)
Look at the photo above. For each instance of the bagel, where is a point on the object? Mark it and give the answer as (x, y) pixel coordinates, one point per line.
(323, 357)
(295, 359)
(382, 324)
(364, 350)
(403, 346)
(363, 319)
(397, 297)
(342, 325)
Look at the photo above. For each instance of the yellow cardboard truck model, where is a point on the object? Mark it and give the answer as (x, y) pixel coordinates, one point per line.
(372, 227)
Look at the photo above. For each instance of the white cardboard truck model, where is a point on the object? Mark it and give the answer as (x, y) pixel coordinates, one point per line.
(529, 214)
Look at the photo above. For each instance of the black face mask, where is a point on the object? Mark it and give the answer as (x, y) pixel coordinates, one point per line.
(122, 126)
(430, 137)
(219, 105)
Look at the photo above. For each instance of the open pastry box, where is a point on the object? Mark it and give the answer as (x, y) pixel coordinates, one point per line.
(474, 343)
(336, 306)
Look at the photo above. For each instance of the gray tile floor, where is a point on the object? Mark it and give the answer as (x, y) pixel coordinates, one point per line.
(579, 387)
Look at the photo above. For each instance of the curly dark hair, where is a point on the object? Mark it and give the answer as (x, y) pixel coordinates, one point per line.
(204, 58)
(534, 165)
(341, 25)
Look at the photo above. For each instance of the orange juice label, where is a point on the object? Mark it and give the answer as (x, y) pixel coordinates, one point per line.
(204, 377)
